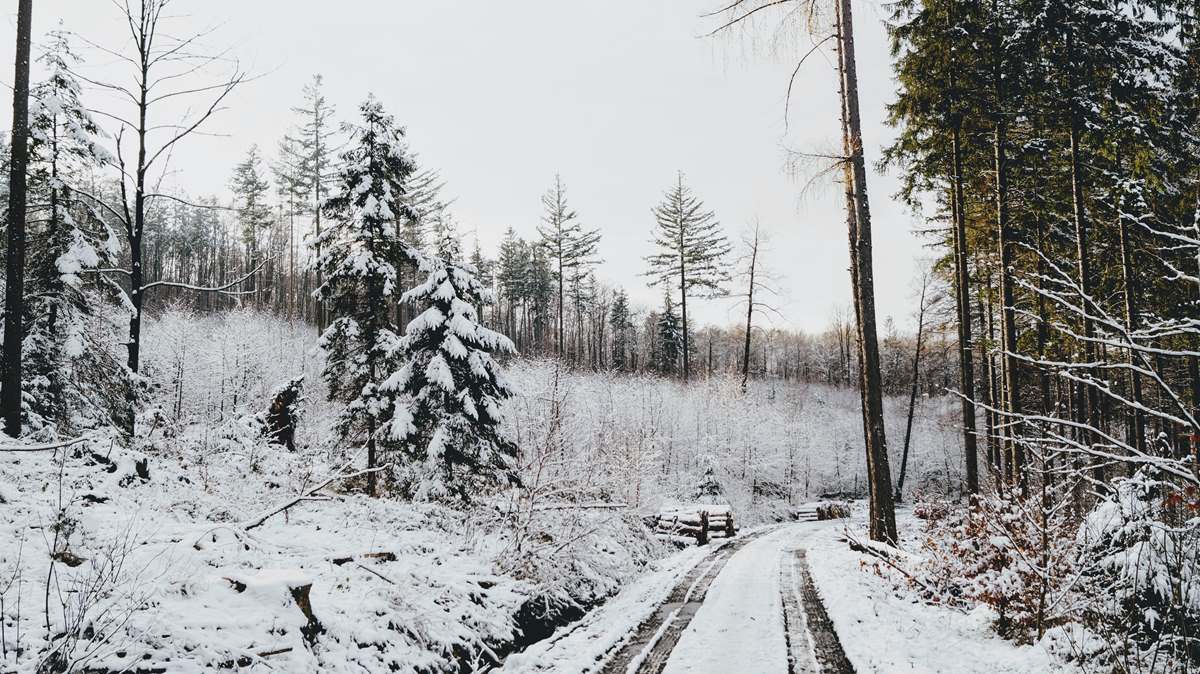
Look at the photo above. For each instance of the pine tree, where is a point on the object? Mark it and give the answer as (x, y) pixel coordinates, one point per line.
(620, 324)
(358, 253)
(71, 375)
(292, 184)
(447, 424)
(446, 241)
(315, 154)
(692, 253)
(511, 264)
(669, 338)
(570, 247)
(253, 213)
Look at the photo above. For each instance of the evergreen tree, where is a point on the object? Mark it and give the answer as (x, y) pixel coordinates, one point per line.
(250, 189)
(510, 267)
(670, 337)
(292, 184)
(539, 295)
(72, 376)
(570, 247)
(358, 252)
(315, 154)
(446, 241)
(620, 324)
(692, 253)
(449, 392)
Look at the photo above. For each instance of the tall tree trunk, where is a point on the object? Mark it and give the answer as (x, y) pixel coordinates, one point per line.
(1043, 318)
(14, 291)
(318, 305)
(1089, 407)
(1137, 427)
(1014, 451)
(683, 300)
(912, 395)
(962, 290)
(749, 316)
(883, 514)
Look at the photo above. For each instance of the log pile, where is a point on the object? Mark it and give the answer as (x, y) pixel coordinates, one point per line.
(697, 523)
(827, 510)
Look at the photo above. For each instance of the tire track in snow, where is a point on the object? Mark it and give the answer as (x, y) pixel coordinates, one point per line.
(801, 654)
(652, 642)
(823, 639)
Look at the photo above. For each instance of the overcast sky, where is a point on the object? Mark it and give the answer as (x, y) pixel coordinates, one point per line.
(616, 96)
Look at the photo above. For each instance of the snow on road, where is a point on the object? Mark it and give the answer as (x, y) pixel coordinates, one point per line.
(584, 646)
(740, 627)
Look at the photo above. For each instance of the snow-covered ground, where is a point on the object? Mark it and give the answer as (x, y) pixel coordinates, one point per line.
(884, 628)
(168, 572)
(740, 626)
(583, 646)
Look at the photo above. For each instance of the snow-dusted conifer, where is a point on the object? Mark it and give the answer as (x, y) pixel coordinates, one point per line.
(250, 189)
(358, 252)
(448, 421)
(621, 326)
(72, 377)
(669, 338)
(691, 257)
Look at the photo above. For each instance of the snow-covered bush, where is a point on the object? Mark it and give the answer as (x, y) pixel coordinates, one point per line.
(1140, 566)
(1011, 554)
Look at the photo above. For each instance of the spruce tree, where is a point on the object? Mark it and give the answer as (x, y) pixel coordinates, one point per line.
(358, 250)
(539, 294)
(692, 254)
(447, 422)
(250, 189)
(293, 186)
(620, 324)
(570, 247)
(315, 153)
(71, 376)
(510, 267)
(445, 240)
(669, 338)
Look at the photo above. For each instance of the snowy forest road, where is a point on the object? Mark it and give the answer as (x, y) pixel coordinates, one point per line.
(750, 608)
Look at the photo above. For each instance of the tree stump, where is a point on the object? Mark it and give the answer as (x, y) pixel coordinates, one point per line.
(300, 593)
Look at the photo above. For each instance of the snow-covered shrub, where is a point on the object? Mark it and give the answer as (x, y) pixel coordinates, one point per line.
(1140, 562)
(708, 489)
(1008, 553)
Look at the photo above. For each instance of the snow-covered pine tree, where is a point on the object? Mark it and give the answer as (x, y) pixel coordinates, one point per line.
(446, 244)
(358, 253)
(570, 247)
(250, 189)
(669, 338)
(619, 322)
(692, 253)
(73, 375)
(314, 156)
(447, 422)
